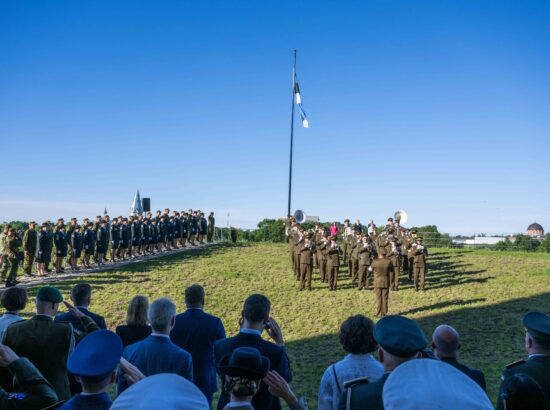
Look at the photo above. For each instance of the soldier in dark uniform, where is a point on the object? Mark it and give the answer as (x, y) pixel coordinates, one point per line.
(76, 247)
(102, 242)
(537, 365)
(154, 235)
(345, 233)
(184, 229)
(203, 228)
(400, 340)
(211, 224)
(405, 244)
(11, 256)
(354, 255)
(61, 247)
(193, 228)
(162, 229)
(420, 265)
(298, 243)
(88, 240)
(124, 239)
(135, 229)
(69, 231)
(410, 254)
(29, 248)
(97, 225)
(43, 250)
(365, 251)
(333, 263)
(306, 262)
(172, 227)
(381, 273)
(115, 239)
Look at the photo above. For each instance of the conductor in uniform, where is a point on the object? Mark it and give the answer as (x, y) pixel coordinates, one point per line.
(381, 268)
(537, 365)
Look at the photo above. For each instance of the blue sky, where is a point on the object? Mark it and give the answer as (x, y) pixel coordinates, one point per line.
(440, 108)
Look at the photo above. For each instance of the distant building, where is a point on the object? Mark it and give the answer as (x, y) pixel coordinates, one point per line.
(535, 230)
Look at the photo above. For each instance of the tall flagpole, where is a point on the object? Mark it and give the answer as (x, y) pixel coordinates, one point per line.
(291, 137)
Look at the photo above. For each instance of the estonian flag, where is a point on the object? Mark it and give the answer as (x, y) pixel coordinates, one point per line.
(298, 97)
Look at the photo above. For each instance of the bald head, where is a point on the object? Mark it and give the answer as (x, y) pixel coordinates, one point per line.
(445, 342)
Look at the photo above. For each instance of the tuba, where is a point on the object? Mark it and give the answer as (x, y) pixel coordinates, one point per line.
(401, 217)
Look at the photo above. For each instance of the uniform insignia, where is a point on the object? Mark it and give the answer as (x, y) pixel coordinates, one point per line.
(515, 363)
(355, 382)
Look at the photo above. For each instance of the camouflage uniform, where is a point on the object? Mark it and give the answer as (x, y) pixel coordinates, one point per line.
(29, 249)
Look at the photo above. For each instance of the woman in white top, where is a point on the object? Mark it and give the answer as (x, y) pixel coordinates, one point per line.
(14, 300)
(356, 337)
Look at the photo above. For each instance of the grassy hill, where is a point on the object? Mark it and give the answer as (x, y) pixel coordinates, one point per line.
(482, 293)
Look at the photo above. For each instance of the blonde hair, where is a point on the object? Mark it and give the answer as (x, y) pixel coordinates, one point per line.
(137, 311)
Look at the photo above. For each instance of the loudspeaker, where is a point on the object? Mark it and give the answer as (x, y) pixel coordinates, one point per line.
(146, 204)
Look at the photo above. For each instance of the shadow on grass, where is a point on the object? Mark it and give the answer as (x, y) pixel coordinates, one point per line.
(492, 336)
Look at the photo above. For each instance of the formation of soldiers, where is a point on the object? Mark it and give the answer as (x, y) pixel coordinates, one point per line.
(366, 253)
(104, 239)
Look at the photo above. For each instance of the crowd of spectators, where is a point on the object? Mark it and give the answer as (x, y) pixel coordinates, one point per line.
(164, 360)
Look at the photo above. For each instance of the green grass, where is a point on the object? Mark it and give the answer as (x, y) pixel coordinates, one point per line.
(482, 293)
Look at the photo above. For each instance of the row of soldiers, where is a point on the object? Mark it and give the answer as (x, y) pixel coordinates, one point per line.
(121, 238)
(366, 253)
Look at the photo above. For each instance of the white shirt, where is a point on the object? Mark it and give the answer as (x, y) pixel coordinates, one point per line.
(350, 367)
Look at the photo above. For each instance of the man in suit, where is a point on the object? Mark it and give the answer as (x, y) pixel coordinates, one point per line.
(81, 296)
(157, 354)
(381, 273)
(254, 319)
(537, 365)
(196, 331)
(48, 344)
(93, 364)
(400, 340)
(445, 346)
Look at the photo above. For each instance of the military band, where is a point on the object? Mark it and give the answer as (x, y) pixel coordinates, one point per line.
(381, 254)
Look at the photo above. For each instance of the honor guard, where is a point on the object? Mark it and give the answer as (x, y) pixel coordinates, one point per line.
(29, 248)
(89, 244)
(333, 263)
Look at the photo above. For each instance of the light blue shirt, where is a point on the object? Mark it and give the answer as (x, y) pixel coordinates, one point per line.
(251, 331)
(353, 366)
(6, 320)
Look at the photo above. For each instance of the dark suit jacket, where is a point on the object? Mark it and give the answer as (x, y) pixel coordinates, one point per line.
(88, 402)
(154, 355)
(196, 331)
(68, 318)
(263, 400)
(132, 334)
(474, 374)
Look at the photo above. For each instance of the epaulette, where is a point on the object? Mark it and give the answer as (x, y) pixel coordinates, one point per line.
(355, 382)
(515, 363)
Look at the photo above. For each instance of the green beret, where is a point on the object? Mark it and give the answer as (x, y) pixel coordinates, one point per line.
(538, 325)
(400, 336)
(49, 294)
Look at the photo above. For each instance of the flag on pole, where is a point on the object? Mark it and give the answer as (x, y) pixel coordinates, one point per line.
(298, 96)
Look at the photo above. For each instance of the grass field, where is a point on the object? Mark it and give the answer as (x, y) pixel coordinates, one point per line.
(482, 293)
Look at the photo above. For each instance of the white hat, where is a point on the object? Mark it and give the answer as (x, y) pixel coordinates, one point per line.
(161, 391)
(432, 384)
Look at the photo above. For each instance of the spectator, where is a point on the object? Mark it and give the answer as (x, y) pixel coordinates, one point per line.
(196, 331)
(537, 366)
(400, 340)
(157, 354)
(242, 372)
(431, 384)
(136, 328)
(254, 319)
(445, 345)
(37, 392)
(93, 364)
(356, 337)
(333, 230)
(161, 391)
(81, 296)
(14, 300)
(48, 344)
(521, 392)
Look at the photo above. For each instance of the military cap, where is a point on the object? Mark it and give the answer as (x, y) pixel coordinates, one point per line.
(96, 356)
(390, 219)
(414, 231)
(49, 294)
(419, 238)
(538, 325)
(400, 336)
(32, 223)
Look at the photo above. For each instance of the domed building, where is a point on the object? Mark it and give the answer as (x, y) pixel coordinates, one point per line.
(535, 230)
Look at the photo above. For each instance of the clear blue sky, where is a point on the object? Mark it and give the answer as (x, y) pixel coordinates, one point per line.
(440, 108)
